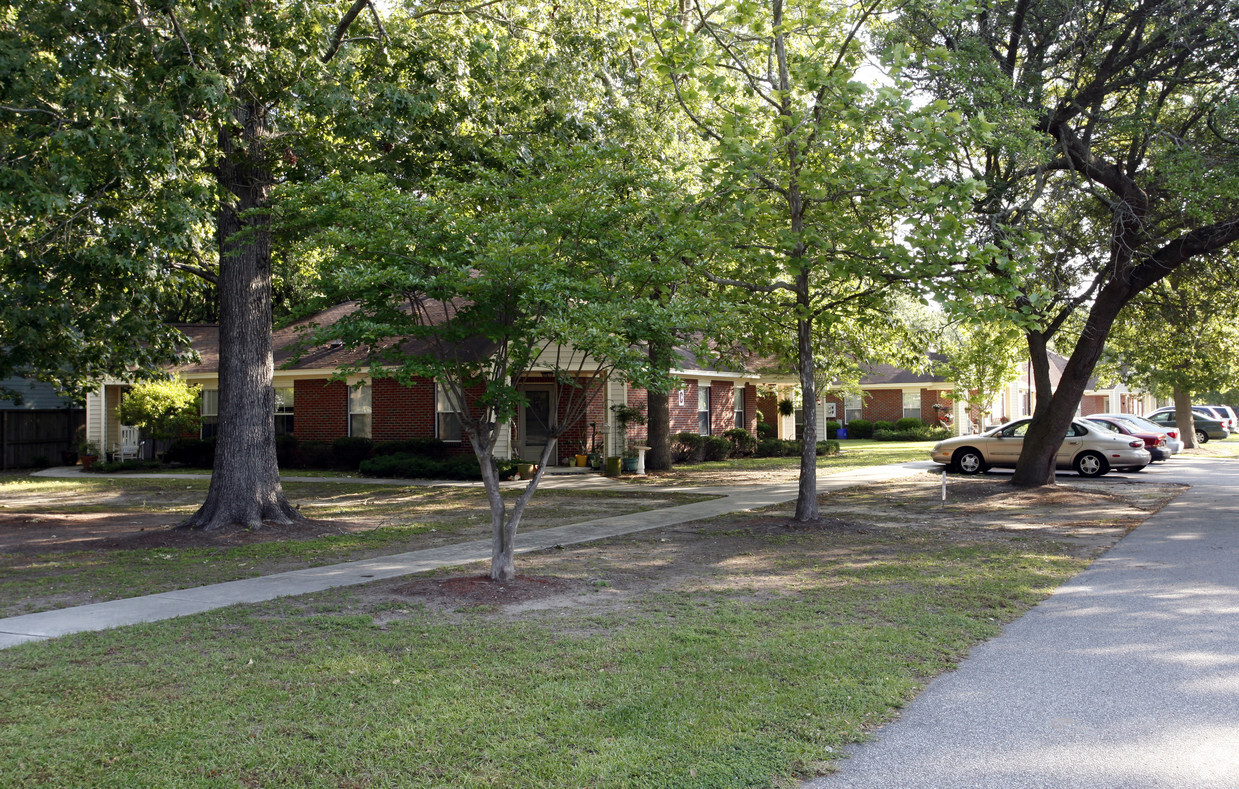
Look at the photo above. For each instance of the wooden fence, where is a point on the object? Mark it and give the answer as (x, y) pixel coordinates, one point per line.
(36, 438)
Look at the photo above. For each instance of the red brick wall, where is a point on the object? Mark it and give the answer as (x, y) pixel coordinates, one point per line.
(722, 407)
(931, 396)
(768, 407)
(576, 438)
(684, 417)
(750, 408)
(402, 412)
(320, 410)
(883, 405)
(1094, 404)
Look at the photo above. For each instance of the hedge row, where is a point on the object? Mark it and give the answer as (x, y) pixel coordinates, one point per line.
(344, 454)
(737, 443)
(417, 466)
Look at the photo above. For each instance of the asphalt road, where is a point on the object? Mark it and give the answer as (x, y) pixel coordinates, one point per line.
(1126, 678)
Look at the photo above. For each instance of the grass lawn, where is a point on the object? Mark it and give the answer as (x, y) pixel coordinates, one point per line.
(853, 454)
(740, 652)
(72, 542)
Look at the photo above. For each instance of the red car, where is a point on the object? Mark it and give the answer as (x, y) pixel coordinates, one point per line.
(1155, 443)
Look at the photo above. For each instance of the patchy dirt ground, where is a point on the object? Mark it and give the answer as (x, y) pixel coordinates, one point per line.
(742, 551)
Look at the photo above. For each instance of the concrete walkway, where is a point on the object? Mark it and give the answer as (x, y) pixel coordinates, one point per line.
(1126, 678)
(151, 608)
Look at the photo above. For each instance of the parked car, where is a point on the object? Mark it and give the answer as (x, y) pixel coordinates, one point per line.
(1173, 442)
(1206, 426)
(1228, 416)
(1089, 449)
(1154, 440)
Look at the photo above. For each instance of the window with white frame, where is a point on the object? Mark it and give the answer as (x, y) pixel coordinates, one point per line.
(210, 412)
(703, 410)
(447, 417)
(739, 394)
(360, 412)
(284, 411)
(912, 404)
(853, 407)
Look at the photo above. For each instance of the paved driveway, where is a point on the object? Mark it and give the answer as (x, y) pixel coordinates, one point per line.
(1126, 678)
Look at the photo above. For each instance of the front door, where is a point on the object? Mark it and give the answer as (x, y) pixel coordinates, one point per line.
(536, 419)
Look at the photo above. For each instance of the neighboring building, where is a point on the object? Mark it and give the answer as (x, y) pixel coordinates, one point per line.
(890, 393)
(313, 405)
(39, 428)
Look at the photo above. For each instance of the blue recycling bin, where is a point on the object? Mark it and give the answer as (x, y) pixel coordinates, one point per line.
(842, 433)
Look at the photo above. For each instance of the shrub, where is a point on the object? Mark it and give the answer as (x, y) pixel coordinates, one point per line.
(686, 448)
(349, 451)
(908, 423)
(882, 424)
(124, 465)
(860, 428)
(410, 466)
(715, 448)
(766, 430)
(314, 454)
(432, 448)
(787, 407)
(832, 428)
(922, 433)
(827, 447)
(777, 448)
(742, 442)
(193, 452)
(286, 447)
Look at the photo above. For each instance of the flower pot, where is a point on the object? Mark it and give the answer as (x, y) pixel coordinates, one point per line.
(526, 470)
(595, 461)
(87, 460)
(614, 464)
(630, 465)
(582, 461)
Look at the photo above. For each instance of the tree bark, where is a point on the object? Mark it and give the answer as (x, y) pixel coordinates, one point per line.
(1185, 418)
(1045, 435)
(806, 494)
(658, 415)
(1039, 360)
(245, 484)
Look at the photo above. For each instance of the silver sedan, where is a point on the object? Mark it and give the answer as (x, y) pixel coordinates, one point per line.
(1088, 449)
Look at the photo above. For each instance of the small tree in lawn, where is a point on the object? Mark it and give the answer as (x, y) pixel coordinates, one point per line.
(478, 285)
(165, 409)
(980, 360)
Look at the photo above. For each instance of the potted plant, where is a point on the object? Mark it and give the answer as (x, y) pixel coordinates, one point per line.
(626, 415)
(89, 452)
(787, 407)
(525, 469)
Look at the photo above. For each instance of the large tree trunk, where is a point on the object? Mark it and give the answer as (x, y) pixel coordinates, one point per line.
(245, 485)
(1185, 418)
(1039, 359)
(658, 415)
(1035, 466)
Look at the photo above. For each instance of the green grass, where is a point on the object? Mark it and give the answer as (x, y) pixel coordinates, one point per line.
(397, 518)
(701, 683)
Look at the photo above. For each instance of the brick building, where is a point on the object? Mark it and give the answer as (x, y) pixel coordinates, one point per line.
(314, 403)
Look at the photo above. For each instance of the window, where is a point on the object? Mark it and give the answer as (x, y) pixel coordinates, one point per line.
(912, 404)
(447, 417)
(284, 411)
(739, 391)
(210, 413)
(703, 410)
(359, 411)
(853, 406)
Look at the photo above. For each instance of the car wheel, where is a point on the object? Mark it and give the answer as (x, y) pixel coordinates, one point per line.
(969, 461)
(1132, 469)
(1091, 464)
(1202, 437)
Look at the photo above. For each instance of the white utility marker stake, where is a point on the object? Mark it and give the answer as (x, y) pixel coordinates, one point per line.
(944, 487)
